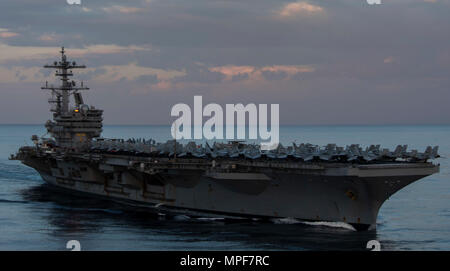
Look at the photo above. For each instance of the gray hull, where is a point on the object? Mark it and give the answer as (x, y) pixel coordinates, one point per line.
(344, 193)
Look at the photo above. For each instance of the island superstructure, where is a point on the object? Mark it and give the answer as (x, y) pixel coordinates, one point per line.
(305, 181)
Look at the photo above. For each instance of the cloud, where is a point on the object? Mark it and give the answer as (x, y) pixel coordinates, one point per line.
(10, 52)
(299, 8)
(240, 77)
(22, 74)
(275, 72)
(148, 79)
(103, 74)
(121, 9)
(388, 60)
(200, 74)
(133, 72)
(5, 33)
(289, 69)
(48, 37)
(232, 70)
(90, 74)
(269, 75)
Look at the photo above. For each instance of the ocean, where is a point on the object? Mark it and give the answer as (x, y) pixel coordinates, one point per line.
(35, 216)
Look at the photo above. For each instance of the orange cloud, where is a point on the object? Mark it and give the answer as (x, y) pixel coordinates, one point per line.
(289, 69)
(299, 8)
(388, 60)
(121, 9)
(5, 33)
(231, 70)
(48, 37)
(255, 73)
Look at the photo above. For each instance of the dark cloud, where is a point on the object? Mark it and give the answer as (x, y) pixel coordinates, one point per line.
(200, 74)
(91, 74)
(274, 75)
(239, 77)
(148, 79)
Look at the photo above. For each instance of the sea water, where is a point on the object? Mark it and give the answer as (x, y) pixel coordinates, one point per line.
(34, 216)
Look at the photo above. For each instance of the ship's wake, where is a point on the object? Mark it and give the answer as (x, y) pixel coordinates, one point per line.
(289, 220)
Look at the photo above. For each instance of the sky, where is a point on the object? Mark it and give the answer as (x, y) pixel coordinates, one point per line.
(323, 62)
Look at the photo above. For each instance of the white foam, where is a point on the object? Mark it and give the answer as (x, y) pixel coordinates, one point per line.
(331, 224)
(290, 220)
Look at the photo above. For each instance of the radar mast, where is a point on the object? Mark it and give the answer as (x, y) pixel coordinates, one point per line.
(72, 128)
(67, 87)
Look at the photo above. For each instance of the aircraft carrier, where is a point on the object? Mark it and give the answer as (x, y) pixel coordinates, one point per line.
(305, 181)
